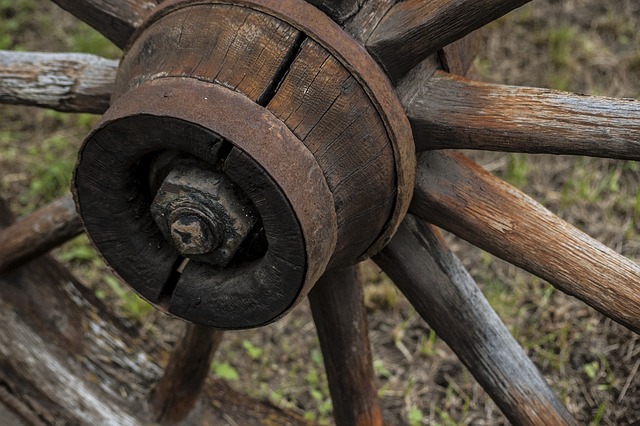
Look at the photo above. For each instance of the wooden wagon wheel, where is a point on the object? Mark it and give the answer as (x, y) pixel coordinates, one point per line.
(252, 151)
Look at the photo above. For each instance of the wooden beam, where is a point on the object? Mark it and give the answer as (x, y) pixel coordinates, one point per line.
(448, 111)
(415, 29)
(338, 10)
(460, 196)
(340, 316)
(115, 19)
(36, 234)
(444, 294)
(70, 82)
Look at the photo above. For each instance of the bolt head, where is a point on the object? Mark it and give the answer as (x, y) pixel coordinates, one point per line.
(192, 235)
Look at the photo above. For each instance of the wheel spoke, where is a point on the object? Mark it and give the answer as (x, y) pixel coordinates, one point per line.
(115, 19)
(178, 391)
(39, 232)
(339, 314)
(416, 29)
(448, 111)
(458, 195)
(69, 82)
(445, 295)
(458, 57)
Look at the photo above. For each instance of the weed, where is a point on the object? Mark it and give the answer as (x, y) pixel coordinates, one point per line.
(224, 370)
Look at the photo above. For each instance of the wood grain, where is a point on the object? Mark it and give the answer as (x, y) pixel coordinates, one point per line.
(69, 82)
(340, 316)
(115, 19)
(236, 47)
(178, 391)
(448, 111)
(415, 29)
(460, 196)
(39, 232)
(328, 110)
(444, 294)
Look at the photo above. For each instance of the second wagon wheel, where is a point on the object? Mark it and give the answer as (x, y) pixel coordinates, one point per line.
(252, 152)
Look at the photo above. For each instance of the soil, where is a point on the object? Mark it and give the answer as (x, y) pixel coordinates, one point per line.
(585, 46)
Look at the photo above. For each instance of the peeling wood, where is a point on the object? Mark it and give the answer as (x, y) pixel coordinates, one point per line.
(69, 82)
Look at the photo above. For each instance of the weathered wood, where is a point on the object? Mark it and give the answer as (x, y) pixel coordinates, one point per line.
(115, 19)
(444, 294)
(70, 82)
(416, 29)
(338, 10)
(245, 49)
(65, 359)
(460, 196)
(447, 111)
(340, 316)
(176, 394)
(328, 110)
(39, 232)
(458, 57)
(361, 25)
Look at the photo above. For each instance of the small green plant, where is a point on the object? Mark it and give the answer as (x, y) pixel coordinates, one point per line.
(224, 370)
(415, 416)
(517, 169)
(253, 351)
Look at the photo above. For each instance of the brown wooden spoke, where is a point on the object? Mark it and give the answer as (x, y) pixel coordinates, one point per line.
(339, 313)
(177, 393)
(445, 295)
(460, 196)
(448, 111)
(115, 19)
(415, 29)
(70, 82)
(39, 232)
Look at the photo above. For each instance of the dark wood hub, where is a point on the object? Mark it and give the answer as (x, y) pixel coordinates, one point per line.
(278, 102)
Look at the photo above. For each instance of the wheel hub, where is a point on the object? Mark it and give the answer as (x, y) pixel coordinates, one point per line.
(255, 139)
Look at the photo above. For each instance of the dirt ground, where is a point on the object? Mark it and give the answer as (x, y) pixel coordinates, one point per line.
(585, 46)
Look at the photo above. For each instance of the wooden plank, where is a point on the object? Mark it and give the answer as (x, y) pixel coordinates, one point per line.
(416, 29)
(447, 111)
(340, 316)
(115, 19)
(66, 359)
(39, 232)
(70, 82)
(444, 294)
(178, 391)
(460, 196)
